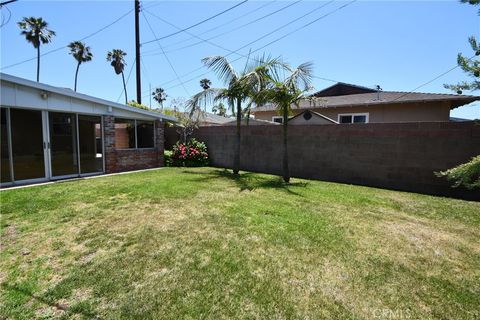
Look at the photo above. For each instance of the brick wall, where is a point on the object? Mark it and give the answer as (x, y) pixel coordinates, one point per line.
(400, 156)
(117, 160)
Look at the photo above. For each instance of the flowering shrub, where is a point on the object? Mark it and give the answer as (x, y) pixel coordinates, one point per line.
(192, 154)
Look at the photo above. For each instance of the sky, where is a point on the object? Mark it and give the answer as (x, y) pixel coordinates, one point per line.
(398, 45)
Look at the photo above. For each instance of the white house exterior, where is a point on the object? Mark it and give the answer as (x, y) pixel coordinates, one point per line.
(50, 133)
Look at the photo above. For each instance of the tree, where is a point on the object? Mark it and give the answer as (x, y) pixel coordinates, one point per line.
(285, 94)
(465, 175)
(220, 109)
(240, 88)
(135, 104)
(160, 96)
(81, 53)
(205, 84)
(37, 33)
(468, 65)
(117, 61)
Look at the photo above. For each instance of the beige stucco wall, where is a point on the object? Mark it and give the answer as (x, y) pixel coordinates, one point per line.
(300, 120)
(412, 112)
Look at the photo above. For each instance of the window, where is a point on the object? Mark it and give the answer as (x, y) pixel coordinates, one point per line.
(353, 118)
(144, 134)
(277, 119)
(131, 134)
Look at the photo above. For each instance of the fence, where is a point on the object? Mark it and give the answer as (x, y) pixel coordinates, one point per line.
(401, 156)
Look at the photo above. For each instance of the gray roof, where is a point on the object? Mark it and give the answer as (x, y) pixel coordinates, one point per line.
(370, 99)
(251, 122)
(70, 93)
(210, 117)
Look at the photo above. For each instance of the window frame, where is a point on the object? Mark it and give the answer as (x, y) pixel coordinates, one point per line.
(366, 114)
(277, 117)
(136, 139)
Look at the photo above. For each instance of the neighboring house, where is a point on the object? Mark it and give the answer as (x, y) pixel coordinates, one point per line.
(310, 117)
(250, 122)
(50, 133)
(206, 119)
(347, 103)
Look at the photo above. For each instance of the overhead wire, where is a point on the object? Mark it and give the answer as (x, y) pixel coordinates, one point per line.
(271, 42)
(230, 21)
(166, 57)
(234, 29)
(248, 44)
(196, 24)
(430, 81)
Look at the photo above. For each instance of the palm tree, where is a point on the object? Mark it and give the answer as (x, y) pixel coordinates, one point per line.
(37, 33)
(81, 53)
(205, 84)
(220, 109)
(285, 94)
(240, 87)
(160, 96)
(117, 59)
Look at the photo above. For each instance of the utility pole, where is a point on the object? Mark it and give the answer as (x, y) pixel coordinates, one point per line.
(137, 51)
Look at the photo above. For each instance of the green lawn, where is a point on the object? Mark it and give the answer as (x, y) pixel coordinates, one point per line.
(198, 243)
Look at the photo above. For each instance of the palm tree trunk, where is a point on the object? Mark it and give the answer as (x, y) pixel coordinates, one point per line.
(76, 75)
(38, 63)
(236, 155)
(124, 88)
(286, 173)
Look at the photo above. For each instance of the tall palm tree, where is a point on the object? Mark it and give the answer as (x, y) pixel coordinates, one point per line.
(37, 33)
(160, 96)
(81, 53)
(117, 59)
(240, 87)
(205, 84)
(285, 94)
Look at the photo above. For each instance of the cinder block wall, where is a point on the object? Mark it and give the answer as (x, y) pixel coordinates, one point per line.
(400, 156)
(131, 159)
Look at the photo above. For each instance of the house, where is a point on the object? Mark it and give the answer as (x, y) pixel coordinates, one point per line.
(206, 119)
(348, 103)
(50, 133)
(250, 122)
(310, 117)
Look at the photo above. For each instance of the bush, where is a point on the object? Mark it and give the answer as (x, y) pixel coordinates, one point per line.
(167, 154)
(466, 175)
(192, 154)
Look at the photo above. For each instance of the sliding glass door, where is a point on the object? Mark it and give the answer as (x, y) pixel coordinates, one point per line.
(90, 144)
(40, 145)
(63, 144)
(27, 137)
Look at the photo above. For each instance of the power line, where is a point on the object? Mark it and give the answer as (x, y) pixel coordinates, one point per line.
(237, 28)
(270, 43)
(218, 26)
(7, 19)
(166, 57)
(61, 48)
(430, 81)
(196, 24)
(256, 40)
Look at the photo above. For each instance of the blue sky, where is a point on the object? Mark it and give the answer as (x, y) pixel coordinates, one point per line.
(398, 45)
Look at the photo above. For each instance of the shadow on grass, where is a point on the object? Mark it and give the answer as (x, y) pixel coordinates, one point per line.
(60, 307)
(249, 180)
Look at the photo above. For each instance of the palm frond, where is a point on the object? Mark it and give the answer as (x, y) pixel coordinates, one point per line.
(203, 98)
(222, 67)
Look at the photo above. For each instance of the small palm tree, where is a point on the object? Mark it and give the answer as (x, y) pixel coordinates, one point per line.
(285, 94)
(220, 109)
(240, 87)
(81, 53)
(160, 96)
(37, 33)
(205, 84)
(117, 61)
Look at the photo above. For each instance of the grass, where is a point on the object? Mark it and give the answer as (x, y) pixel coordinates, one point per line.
(199, 243)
